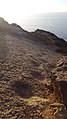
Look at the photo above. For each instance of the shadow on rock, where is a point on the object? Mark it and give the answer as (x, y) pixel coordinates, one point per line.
(23, 89)
(63, 87)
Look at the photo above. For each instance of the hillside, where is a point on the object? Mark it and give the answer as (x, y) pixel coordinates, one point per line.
(33, 74)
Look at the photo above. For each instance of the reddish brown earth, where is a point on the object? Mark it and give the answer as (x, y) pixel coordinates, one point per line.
(33, 74)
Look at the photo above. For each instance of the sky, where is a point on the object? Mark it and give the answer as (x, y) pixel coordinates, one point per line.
(15, 10)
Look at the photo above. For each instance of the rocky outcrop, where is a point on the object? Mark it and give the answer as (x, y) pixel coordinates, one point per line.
(59, 80)
(50, 39)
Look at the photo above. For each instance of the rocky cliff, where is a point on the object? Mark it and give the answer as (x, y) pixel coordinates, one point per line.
(33, 74)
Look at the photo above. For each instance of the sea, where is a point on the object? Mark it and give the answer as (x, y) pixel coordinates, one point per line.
(53, 22)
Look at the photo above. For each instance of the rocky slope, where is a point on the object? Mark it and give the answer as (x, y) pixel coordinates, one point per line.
(33, 74)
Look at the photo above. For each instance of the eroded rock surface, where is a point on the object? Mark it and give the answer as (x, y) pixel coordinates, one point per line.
(26, 63)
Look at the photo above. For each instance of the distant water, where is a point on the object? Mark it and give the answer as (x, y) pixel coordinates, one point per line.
(53, 22)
